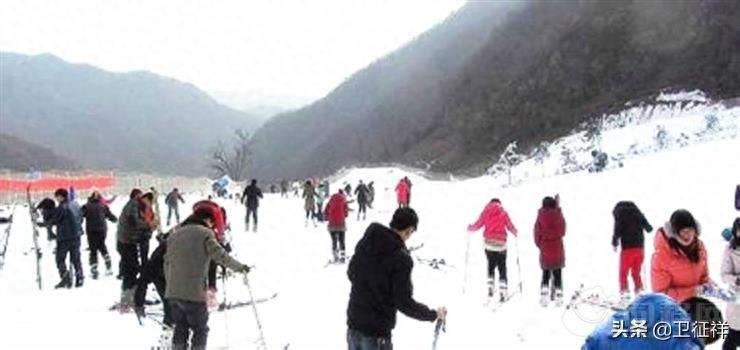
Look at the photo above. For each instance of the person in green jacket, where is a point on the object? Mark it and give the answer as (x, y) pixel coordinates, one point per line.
(190, 249)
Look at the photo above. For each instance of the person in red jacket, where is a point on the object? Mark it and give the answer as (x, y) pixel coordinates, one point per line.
(679, 265)
(403, 192)
(496, 222)
(336, 213)
(549, 230)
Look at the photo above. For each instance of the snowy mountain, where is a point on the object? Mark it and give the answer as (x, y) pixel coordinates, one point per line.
(497, 72)
(136, 121)
(310, 310)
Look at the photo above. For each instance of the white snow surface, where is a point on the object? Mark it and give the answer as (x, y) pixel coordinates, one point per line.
(309, 312)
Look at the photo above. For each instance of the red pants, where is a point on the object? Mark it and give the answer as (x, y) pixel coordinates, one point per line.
(630, 261)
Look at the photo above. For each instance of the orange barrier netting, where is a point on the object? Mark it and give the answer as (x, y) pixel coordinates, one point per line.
(53, 183)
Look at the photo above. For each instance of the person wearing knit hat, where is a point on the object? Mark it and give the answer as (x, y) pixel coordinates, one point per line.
(679, 264)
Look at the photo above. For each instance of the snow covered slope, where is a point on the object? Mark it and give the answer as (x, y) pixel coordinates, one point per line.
(309, 312)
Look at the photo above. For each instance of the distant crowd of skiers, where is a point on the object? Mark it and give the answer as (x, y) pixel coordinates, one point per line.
(381, 265)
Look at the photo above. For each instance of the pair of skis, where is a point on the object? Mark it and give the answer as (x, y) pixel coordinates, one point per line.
(6, 238)
(34, 217)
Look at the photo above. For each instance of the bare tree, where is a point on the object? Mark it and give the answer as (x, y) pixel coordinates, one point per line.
(233, 163)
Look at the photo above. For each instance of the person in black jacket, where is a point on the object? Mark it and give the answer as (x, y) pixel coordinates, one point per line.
(380, 273)
(67, 217)
(251, 197)
(95, 213)
(47, 206)
(153, 272)
(363, 198)
(629, 223)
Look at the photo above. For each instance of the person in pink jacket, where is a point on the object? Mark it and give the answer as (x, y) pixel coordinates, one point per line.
(497, 223)
(402, 193)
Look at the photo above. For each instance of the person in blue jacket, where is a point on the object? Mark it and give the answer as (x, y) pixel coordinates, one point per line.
(657, 309)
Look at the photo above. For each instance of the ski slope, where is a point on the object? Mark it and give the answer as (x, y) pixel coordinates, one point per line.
(309, 312)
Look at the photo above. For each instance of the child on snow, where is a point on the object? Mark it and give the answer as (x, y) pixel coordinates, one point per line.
(496, 222)
(629, 223)
(549, 230)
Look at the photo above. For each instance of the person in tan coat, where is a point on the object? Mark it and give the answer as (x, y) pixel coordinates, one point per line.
(731, 276)
(189, 252)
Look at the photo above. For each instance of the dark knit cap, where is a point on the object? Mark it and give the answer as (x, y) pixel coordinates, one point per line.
(681, 219)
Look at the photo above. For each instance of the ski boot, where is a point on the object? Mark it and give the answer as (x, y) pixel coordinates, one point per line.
(503, 291)
(544, 296)
(254, 228)
(108, 266)
(624, 299)
(558, 297)
(66, 281)
(94, 271)
(491, 287)
(79, 281)
(342, 257)
(126, 304)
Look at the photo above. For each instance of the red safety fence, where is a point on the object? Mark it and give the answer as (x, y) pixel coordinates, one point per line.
(52, 183)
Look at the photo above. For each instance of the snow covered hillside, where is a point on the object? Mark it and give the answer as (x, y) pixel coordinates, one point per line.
(309, 312)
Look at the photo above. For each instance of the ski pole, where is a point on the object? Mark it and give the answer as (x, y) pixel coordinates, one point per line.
(467, 255)
(440, 326)
(518, 265)
(261, 339)
(226, 320)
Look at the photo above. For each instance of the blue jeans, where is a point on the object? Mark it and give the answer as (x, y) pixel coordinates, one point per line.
(359, 341)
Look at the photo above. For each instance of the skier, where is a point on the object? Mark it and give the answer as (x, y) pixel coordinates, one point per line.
(737, 197)
(67, 218)
(731, 276)
(549, 230)
(131, 224)
(363, 196)
(409, 184)
(496, 222)
(47, 206)
(309, 194)
(153, 272)
(147, 212)
(251, 198)
(172, 200)
(189, 252)
(629, 223)
(95, 213)
(651, 310)
(371, 197)
(336, 213)
(219, 231)
(380, 274)
(284, 188)
(679, 263)
(320, 199)
(403, 193)
(348, 189)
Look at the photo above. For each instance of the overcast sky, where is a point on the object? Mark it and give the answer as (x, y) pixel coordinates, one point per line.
(293, 49)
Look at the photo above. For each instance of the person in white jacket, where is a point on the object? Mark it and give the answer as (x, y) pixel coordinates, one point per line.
(731, 276)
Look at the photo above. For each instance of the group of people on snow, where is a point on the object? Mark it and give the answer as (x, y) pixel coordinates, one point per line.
(379, 270)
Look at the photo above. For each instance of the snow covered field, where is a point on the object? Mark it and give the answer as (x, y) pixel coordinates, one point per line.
(309, 312)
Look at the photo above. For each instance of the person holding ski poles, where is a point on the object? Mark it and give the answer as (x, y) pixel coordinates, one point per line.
(549, 230)
(497, 223)
(380, 274)
(731, 276)
(186, 261)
